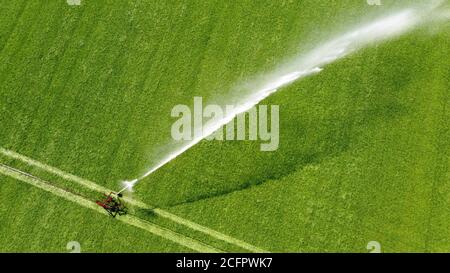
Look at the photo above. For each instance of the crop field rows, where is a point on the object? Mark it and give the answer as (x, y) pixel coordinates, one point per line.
(86, 94)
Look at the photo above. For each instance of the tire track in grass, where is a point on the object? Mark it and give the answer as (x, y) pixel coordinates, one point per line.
(208, 231)
(128, 219)
(160, 212)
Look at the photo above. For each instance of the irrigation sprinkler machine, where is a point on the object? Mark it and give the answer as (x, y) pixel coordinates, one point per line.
(310, 63)
(113, 203)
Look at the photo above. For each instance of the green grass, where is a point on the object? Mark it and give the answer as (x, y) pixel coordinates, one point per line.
(363, 145)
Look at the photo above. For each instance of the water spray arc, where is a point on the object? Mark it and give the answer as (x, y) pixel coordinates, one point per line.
(307, 64)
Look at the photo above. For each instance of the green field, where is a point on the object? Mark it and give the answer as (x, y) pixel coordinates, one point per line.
(364, 145)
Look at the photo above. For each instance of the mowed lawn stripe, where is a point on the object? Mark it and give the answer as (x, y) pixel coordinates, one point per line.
(131, 220)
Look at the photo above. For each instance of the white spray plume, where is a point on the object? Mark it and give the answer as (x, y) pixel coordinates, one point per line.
(128, 185)
(307, 64)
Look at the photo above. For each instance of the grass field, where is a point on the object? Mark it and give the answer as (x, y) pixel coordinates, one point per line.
(364, 145)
